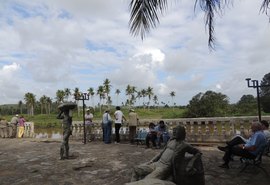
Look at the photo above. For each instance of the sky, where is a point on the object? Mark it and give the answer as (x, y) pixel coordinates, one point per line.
(50, 45)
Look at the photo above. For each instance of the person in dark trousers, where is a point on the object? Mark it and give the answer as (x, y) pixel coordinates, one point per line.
(119, 118)
(151, 136)
(248, 149)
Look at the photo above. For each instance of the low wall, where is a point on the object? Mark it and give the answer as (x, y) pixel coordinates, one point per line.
(214, 129)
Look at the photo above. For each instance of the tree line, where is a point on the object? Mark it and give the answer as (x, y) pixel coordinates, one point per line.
(208, 104)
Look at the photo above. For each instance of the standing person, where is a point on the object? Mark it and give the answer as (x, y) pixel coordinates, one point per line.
(65, 115)
(107, 127)
(13, 123)
(132, 125)
(88, 124)
(21, 127)
(119, 117)
(248, 149)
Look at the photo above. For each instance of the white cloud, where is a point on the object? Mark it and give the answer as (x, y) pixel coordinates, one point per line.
(51, 45)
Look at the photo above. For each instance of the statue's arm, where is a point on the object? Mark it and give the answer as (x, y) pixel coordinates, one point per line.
(196, 154)
(59, 116)
(157, 157)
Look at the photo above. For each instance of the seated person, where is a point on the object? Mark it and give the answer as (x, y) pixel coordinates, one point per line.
(162, 134)
(265, 128)
(249, 149)
(151, 135)
(162, 165)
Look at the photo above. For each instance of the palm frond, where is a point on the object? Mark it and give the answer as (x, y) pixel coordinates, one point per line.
(144, 15)
(210, 7)
(265, 7)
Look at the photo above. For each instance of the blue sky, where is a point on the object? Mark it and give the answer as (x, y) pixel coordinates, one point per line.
(50, 45)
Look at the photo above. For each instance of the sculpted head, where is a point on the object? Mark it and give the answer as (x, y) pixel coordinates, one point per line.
(179, 133)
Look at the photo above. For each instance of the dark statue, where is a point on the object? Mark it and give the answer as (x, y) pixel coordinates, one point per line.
(66, 115)
(171, 166)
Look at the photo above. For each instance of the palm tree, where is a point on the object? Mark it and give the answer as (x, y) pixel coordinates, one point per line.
(172, 94)
(117, 92)
(76, 95)
(43, 102)
(155, 99)
(60, 95)
(107, 89)
(149, 93)
(130, 90)
(20, 103)
(143, 91)
(91, 92)
(30, 100)
(67, 93)
(100, 92)
(144, 14)
(139, 95)
(48, 105)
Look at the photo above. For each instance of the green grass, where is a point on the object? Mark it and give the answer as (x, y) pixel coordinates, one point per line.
(49, 120)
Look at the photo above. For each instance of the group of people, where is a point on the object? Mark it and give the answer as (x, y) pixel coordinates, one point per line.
(247, 148)
(15, 123)
(157, 134)
(118, 122)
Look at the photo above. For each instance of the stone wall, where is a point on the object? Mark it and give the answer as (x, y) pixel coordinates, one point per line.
(208, 130)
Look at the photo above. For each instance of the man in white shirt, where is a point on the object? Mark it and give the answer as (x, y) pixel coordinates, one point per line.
(119, 117)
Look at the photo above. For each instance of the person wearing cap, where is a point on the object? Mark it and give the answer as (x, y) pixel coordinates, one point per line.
(13, 123)
(132, 124)
(88, 124)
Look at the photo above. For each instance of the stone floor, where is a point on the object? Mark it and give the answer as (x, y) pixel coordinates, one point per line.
(36, 162)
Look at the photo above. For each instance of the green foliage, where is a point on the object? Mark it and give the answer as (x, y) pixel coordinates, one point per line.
(208, 104)
(247, 105)
(265, 93)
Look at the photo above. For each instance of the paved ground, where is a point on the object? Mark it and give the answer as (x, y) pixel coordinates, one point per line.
(36, 162)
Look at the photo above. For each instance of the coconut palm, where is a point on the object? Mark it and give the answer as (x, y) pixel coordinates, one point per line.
(149, 93)
(144, 14)
(172, 94)
(155, 99)
(48, 105)
(77, 95)
(30, 100)
(100, 92)
(130, 90)
(143, 91)
(60, 95)
(20, 103)
(91, 93)
(117, 92)
(67, 93)
(107, 89)
(43, 102)
(139, 95)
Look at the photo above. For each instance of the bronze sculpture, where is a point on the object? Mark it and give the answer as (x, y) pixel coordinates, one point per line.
(171, 165)
(66, 116)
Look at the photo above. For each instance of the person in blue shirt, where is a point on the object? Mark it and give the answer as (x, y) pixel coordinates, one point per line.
(162, 133)
(248, 149)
